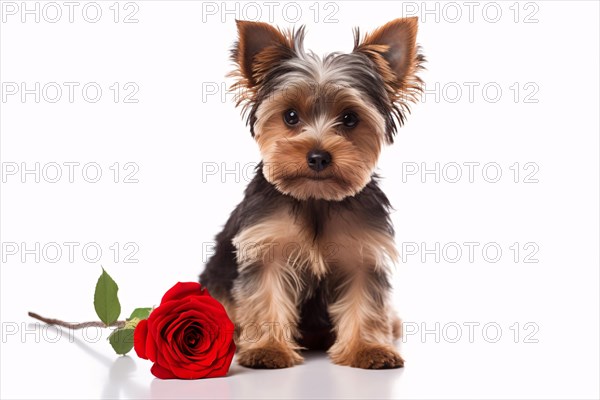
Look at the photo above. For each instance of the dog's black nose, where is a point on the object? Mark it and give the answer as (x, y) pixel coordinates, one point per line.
(318, 160)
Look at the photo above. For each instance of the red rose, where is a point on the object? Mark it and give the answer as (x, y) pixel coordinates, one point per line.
(188, 336)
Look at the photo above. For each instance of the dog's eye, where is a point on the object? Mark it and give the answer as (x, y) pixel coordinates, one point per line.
(291, 117)
(350, 119)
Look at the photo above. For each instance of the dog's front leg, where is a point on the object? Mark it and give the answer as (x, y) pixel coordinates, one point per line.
(364, 324)
(266, 295)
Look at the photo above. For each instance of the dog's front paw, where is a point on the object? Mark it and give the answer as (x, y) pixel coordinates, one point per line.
(268, 357)
(377, 357)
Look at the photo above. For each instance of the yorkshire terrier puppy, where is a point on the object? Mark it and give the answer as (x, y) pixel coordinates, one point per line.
(304, 259)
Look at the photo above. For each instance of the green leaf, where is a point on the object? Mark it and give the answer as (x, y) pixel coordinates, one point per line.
(106, 301)
(121, 340)
(141, 313)
(131, 323)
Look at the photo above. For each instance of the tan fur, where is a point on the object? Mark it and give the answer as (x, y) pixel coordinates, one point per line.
(270, 356)
(252, 68)
(280, 248)
(402, 83)
(375, 357)
(277, 254)
(359, 323)
(229, 306)
(396, 327)
(284, 148)
(280, 239)
(359, 246)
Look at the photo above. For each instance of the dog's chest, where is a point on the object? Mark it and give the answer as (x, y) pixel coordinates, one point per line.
(311, 239)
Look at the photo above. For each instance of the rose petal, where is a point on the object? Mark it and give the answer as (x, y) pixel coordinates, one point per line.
(192, 371)
(157, 319)
(223, 337)
(180, 348)
(172, 329)
(206, 325)
(201, 304)
(173, 350)
(224, 368)
(182, 290)
(140, 335)
(186, 309)
(161, 372)
(170, 355)
(151, 342)
(204, 345)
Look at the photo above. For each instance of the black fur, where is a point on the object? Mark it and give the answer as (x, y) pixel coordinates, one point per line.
(363, 76)
(261, 200)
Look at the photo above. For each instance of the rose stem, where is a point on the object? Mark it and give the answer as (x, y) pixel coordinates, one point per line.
(51, 321)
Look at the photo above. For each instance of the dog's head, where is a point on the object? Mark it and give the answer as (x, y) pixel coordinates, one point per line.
(320, 123)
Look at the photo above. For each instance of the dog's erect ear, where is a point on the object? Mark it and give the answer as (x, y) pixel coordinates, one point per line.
(259, 45)
(394, 51)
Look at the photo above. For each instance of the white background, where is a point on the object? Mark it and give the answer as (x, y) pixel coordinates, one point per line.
(177, 54)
